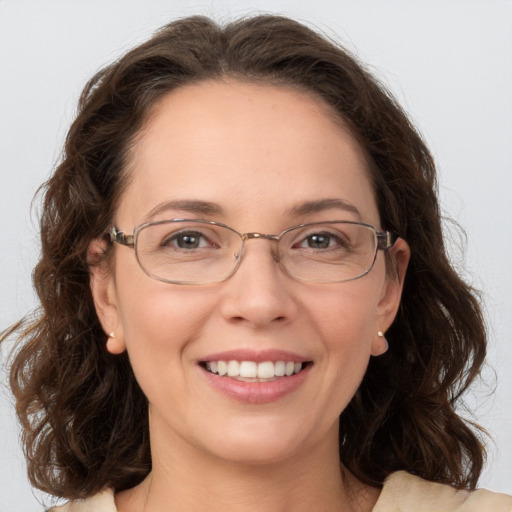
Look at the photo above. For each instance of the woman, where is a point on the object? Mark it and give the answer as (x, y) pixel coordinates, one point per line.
(246, 301)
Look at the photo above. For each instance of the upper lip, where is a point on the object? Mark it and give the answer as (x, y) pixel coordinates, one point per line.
(258, 356)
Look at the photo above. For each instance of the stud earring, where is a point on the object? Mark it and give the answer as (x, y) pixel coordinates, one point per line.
(380, 334)
(112, 335)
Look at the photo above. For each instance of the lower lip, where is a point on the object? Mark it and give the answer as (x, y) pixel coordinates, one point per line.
(257, 392)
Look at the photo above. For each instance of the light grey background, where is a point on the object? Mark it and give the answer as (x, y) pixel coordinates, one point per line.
(448, 61)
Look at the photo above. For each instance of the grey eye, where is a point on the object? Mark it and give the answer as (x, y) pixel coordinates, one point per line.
(318, 241)
(321, 240)
(186, 240)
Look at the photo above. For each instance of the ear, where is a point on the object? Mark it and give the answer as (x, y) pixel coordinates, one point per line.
(389, 301)
(103, 290)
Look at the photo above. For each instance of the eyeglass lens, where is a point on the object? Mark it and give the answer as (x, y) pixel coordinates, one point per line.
(194, 252)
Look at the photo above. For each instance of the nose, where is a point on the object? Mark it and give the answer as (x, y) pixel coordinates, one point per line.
(260, 292)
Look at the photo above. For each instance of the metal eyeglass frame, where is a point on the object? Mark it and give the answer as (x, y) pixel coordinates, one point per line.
(385, 241)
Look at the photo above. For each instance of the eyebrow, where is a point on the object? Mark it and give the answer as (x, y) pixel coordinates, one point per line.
(190, 206)
(199, 207)
(325, 204)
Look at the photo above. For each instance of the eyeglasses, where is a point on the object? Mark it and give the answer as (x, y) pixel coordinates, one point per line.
(198, 251)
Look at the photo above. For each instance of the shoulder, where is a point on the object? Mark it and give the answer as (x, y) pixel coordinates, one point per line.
(101, 502)
(403, 492)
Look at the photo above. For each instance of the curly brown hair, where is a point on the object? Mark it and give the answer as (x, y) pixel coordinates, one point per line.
(83, 414)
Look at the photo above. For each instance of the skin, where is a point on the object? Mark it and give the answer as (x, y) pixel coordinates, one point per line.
(256, 151)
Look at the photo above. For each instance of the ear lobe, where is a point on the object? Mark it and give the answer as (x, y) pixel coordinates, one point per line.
(103, 291)
(115, 345)
(380, 344)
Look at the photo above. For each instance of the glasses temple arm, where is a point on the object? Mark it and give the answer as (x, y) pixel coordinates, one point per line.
(119, 237)
(386, 240)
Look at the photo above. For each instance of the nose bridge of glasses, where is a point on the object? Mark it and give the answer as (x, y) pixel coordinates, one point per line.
(262, 236)
(247, 236)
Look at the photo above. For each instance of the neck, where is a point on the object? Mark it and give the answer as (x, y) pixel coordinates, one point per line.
(185, 479)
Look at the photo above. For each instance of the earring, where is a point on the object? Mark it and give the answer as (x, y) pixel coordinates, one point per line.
(380, 334)
(112, 335)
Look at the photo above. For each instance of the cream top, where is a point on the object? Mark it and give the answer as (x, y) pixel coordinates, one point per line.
(402, 492)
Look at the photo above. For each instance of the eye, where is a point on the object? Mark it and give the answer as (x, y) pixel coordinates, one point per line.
(318, 241)
(187, 240)
(322, 240)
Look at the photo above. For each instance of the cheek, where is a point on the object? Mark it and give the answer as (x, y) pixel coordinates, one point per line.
(152, 312)
(346, 323)
(346, 314)
(162, 318)
(158, 321)
(161, 326)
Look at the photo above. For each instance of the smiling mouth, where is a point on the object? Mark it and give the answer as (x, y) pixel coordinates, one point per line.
(251, 371)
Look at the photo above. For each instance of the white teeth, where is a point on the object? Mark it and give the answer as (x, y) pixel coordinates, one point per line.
(222, 367)
(266, 370)
(252, 370)
(233, 369)
(279, 368)
(248, 369)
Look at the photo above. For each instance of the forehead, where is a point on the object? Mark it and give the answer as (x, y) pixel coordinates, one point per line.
(251, 148)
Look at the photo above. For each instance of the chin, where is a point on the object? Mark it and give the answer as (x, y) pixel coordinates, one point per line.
(267, 442)
(260, 454)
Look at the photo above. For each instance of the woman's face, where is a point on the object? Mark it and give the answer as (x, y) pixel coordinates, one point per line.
(258, 158)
